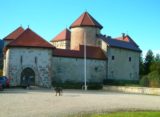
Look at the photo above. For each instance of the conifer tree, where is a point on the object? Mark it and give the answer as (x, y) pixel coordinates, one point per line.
(149, 59)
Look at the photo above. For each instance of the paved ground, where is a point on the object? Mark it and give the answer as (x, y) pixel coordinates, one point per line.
(44, 103)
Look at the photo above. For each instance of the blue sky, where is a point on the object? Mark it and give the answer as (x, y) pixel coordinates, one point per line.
(138, 18)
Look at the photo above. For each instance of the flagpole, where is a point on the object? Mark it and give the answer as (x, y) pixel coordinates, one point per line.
(85, 84)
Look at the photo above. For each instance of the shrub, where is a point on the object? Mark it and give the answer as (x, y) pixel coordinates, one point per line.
(95, 86)
(1, 72)
(154, 79)
(68, 86)
(77, 85)
(144, 81)
(120, 82)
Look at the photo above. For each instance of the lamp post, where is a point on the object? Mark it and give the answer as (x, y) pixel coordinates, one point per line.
(85, 84)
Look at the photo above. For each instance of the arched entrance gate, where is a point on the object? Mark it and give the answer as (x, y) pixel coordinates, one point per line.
(27, 76)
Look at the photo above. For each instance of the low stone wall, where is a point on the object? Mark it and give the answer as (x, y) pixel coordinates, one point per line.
(139, 90)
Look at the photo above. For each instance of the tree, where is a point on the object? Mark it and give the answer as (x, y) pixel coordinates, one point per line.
(151, 65)
(155, 66)
(141, 67)
(149, 59)
(157, 58)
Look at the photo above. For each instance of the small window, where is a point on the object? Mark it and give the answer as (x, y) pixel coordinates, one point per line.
(96, 69)
(98, 43)
(112, 74)
(130, 75)
(35, 60)
(130, 59)
(113, 58)
(59, 70)
(21, 60)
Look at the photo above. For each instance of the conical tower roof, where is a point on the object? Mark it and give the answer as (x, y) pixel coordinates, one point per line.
(86, 20)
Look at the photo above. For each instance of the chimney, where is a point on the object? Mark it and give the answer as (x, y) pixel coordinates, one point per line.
(123, 36)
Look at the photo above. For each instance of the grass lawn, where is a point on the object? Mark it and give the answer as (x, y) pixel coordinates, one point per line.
(123, 114)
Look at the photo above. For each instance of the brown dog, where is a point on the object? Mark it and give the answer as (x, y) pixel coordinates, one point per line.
(58, 90)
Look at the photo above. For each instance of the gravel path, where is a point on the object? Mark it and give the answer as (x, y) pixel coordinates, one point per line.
(44, 103)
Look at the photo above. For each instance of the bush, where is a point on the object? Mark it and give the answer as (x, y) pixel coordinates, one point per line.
(68, 85)
(154, 79)
(95, 86)
(77, 85)
(1, 72)
(144, 81)
(120, 82)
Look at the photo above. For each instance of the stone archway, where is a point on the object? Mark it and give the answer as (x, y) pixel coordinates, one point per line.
(27, 76)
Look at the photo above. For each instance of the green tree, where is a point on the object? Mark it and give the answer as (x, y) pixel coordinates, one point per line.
(149, 59)
(141, 67)
(157, 58)
(154, 79)
(155, 66)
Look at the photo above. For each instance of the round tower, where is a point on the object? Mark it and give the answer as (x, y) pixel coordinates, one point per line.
(85, 27)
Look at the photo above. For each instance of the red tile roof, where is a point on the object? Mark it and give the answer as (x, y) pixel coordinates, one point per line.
(126, 43)
(86, 20)
(13, 35)
(30, 39)
(64, 35)
(92, 52)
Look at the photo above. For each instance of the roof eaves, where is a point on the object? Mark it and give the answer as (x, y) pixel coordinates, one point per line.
(127, 48)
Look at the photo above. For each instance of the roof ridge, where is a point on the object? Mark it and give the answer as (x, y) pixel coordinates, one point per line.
(83, 18)
(14, 31)
(17, 37)
(86, 19)
(38, 36)
(30, 39)
(91, 19)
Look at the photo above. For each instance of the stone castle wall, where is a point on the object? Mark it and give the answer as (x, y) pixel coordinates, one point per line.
(121, 68)
(39, 60)
(72, 70)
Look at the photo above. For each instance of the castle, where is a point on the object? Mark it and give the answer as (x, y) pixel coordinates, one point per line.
(28, 55)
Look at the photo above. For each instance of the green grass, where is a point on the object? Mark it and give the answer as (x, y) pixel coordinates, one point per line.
(122, 114)
(130, 114)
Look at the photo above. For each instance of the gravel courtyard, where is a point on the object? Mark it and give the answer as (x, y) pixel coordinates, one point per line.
(44, 103)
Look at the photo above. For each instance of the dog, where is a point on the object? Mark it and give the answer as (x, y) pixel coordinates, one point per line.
(58, 90)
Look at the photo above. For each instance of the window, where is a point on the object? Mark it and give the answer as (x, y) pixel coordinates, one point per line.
(21, 59)
(35, 60)
(98, 43)
(112, 74)
(59, 70)
(96, 69)
(113, 58)
(130, 59)
(130, 75)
